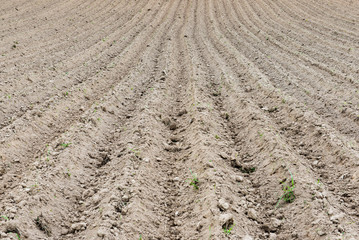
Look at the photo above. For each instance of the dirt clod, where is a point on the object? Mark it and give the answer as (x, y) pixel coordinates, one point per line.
(223, 205)
(247, 237)
(252, 214)
(78, 226)
(173, 126)
(226, 220)
(182, 112)
(167, 121)
(43, 224)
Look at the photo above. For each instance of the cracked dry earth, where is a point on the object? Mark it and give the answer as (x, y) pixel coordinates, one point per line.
(110, 108)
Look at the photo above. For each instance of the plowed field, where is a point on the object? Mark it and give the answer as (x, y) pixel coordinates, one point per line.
(179, 119)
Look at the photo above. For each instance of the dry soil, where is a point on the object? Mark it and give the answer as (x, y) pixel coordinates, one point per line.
(109, 109)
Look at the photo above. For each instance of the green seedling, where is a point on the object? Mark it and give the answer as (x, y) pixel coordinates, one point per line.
(194, 180)
(140, 237)
(136, 152)
(68, 173)
(227, 116)
(65, 145)
(5, 217)
(15, 44)
(228, 230)
(217, 137)
(35, 185)
(48, 153)
(17, 235)
(247, 169)
(288, 192)
(66, 94)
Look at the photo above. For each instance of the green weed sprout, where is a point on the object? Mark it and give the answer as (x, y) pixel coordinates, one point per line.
(135, 151)
(65, 145)
(228, 230)
(288, 192)
(194, 180)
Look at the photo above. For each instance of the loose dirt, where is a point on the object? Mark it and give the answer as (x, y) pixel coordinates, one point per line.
(179, 119)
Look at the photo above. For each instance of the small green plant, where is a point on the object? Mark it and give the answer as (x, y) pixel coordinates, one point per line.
(288, 192)
(48, 153)
(319, 183)
(66, 94)
(17, 235)
(136, 152)
(217, 137)
(5, 217)
(65, 145)
(248, 170)
(228, 230)
(68, 173)
(35, 185)
(194, 180)
(15, 44)
(140, 237)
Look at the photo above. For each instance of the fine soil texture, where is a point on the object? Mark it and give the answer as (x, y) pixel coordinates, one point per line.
(179, 119)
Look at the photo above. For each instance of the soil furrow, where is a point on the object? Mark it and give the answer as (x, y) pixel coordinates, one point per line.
(104, 61)
(97, 40)
(179, 119)
(297, 143)
(74, 170)
(34, 143)
(308, 91)
(312, 25)
(311, 55)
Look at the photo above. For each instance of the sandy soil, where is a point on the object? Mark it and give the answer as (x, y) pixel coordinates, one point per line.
(110, 109)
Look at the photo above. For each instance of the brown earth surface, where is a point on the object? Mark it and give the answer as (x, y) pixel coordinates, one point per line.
(109, 109)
